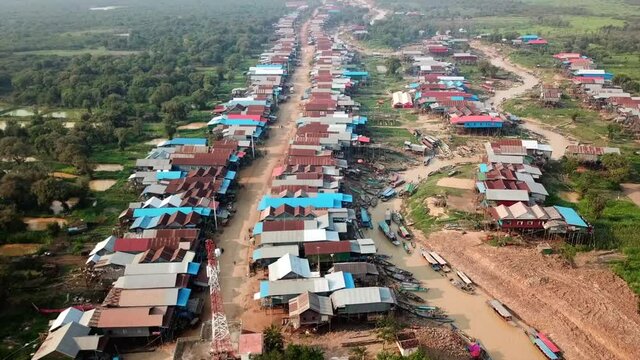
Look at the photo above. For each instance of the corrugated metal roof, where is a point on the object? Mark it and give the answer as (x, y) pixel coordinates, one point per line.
(507, 195)
(150, 281)
(293, 287)
(325, 248)
(148, 297)
(309, 301)
(62, 341)
(274, 252)
(363, 295)
(289, 264)
(130, 317)
(68, 315)
(356, 268)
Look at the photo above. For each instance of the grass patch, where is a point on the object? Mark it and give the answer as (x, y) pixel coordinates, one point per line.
(391, 135)
(588, 126)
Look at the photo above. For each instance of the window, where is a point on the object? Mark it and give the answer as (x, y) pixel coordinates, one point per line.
(519, 223)
(529, 222)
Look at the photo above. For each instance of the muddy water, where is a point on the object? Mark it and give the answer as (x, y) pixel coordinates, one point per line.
(470, 312)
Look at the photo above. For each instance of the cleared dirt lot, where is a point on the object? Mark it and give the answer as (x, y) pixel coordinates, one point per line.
(589, 311)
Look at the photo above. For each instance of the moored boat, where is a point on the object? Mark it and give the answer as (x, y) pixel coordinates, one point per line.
(388, 233)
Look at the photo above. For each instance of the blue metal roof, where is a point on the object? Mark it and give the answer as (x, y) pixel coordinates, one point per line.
(185, 141)
(257, 230)
(224, 186)
(238, 122)
(169, 175)
(322, 200)
(170, 211)
(145, 222)
(529, 37)
(571, 217)
(360, 120)
(193, 268)
(234, 158)
(276, 66)
(183, 296)
(355, 73)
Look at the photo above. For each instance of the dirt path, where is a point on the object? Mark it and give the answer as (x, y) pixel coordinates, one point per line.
(237, 290)
(558, 141)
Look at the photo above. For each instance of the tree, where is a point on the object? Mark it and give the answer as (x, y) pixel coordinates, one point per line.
(15, 149)
(386, 329)
(10, 220)
(161, 94)
(123, 135)
(618, 167)
(170, 127)
(48, 190)
(596, 203)
(199, 98)
(393, 64)
(487, 69)
(273, 340)
(358, 353)
(176, 109)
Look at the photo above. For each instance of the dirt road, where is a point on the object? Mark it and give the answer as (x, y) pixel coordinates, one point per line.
(558, 141)
(256, 180)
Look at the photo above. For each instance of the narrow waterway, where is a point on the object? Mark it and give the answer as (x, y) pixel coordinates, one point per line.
(470, 312)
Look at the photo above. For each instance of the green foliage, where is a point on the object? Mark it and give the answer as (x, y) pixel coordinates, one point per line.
(294, 352)
(386, 329)
(418, 355)
(358, 353)
(273, 340)
(393, 64)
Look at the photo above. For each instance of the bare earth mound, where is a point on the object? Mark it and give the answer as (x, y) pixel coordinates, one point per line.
(590, 312)
(465, 184)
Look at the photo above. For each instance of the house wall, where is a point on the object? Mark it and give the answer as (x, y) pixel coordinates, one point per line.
(364, 308)
(522, 224)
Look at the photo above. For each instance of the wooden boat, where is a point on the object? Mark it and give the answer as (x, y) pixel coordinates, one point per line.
(374, 201)
(397, 218)
(404, 233)
(365, 219)
(388, 233)
(475, 348)
(387, 216)
(410, 296)
(406, 248)
(434, 264)
(465, 279)
(412, 287)
(500, 309)
(462, 286)
(443, 264)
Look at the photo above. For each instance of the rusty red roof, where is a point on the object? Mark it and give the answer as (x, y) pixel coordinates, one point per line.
(327, 247)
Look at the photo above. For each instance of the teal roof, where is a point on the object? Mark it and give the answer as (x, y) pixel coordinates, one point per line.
(571, 217)
(146, 212)
(322, 200)
(185, 141)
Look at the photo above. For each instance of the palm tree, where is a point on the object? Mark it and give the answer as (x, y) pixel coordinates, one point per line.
(273, 340)
(358, 353)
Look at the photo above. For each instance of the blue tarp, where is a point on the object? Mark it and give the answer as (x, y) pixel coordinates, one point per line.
(322, 200)
(183, 296)
(413, 85)
(169, 175)
(234, 158)
(276, 66)
(529, 37)
(457, 98)
(349, 73)
(184, 141)
(483, 168)
(571, 217)
(193, 268)
(348, 281)
(170, 211)
(237, 122)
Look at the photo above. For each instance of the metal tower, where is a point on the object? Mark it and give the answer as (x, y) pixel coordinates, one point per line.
(221, 348)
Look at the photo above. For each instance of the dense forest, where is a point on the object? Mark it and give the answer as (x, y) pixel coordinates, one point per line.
(179, 56)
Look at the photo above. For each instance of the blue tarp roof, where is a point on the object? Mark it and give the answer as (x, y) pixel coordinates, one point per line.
(234, 158)
(238, 122)
(257, 230)
(185, 141)
(193, 268)
(169, 175)
(224, 186)
(360, 120)
(170, 211)
(230, 175)
(354, 73)
(348, 281)
(322, 200)
(276, 66)
(570, 216)
(483, 168)
(529, 37)
(183, 296)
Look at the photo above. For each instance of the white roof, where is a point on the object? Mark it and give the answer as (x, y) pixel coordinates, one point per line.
(288, 264)
(106, 244)
(292, 236)
(68, 315)
(297, 286)
(533, 170)
(507, 195)
(362, 295)
(63, 341)
(117, 258)
(336, 281)
(149, 281)
(157, 268)
(537, 188)
(363, 246)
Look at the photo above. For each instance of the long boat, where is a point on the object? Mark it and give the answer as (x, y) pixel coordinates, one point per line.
(434, 264)
(546, 346)
(397, 218)
(443, 263)
(406, 248)
(365, 219)
(500, 309)
(388, 233)
(464, 278)
(474, 346)
(403, 232)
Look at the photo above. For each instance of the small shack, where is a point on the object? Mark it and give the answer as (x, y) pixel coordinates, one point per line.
(309, 309)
